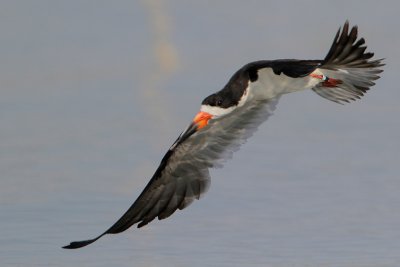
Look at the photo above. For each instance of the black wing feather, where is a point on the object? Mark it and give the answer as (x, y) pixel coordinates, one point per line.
(293, 68)
(183, 175)
(349, 67)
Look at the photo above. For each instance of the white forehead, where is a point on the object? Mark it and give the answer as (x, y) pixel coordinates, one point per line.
(218, 111)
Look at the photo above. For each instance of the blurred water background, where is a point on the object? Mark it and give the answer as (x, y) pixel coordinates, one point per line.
(94, 92)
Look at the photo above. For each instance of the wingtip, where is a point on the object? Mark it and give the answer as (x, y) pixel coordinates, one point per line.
(70, 246)
(347, 25)
(80, 244)
(380, 62)
(346, 49)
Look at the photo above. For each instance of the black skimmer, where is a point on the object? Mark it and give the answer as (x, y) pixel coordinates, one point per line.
(230, 116)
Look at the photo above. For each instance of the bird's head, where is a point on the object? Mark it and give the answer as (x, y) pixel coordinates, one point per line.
(233, 95)
(212, 107)
(218, 105)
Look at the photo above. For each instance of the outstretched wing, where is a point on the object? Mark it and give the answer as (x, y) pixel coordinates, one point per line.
(347, 71)
(345, 74)
(183, 174)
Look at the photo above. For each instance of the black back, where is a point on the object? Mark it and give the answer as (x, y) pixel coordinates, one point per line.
(232, 92)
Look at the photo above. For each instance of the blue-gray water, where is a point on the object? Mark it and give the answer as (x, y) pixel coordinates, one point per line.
(94, 92)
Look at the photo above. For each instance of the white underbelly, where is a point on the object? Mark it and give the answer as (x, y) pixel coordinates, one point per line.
(270, 85)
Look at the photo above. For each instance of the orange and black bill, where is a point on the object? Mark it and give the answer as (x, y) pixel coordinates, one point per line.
(200, 121)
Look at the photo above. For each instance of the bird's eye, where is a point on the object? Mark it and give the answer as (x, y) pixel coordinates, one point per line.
(219, 102)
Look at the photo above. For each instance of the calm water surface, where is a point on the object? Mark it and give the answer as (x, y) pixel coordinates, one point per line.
(93, 94)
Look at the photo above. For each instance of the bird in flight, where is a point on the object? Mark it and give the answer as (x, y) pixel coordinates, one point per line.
(230, 116)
